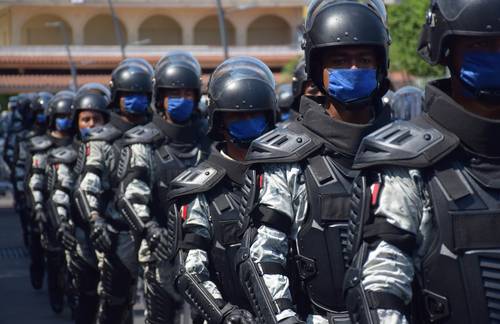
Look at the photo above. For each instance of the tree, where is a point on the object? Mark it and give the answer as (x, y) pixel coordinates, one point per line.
(288, 70)
(405, 23)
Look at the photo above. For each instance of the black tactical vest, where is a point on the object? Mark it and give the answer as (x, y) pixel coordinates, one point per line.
(321, 241)
(227, 202)
(169, 160)
(460, 278)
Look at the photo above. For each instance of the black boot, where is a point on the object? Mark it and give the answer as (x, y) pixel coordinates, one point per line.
(37, 266)
(115, 314)
(56, 280)
(86, 310)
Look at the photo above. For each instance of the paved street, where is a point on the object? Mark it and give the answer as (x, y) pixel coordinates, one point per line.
(19, 303)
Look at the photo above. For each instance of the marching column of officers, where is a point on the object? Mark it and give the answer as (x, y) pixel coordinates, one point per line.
(302, 205)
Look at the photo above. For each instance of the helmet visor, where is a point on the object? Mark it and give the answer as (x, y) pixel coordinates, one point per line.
(238, 68)
(316, 6)
(471, 15)
(180, 58)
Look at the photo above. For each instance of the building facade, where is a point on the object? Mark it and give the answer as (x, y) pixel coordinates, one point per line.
(33, 34)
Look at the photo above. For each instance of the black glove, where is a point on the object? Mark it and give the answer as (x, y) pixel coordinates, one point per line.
(291, 320)
(100, 235)
(65, 235)
(157, 240)
(238, 316)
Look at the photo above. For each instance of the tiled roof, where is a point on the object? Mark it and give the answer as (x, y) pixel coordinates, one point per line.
(29, 83)
(107, 57)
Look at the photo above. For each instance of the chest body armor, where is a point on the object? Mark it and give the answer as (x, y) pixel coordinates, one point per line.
(168, 163)
(460, 277)
(227, 203)
(61, 155)
(119, 167)
(321, 241)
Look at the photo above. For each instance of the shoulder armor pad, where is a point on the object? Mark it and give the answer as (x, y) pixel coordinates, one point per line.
(147, 134)
(40, 143)
(106, 133)
(404, 144)
(196, 180)
(281, 145)
(66, 155)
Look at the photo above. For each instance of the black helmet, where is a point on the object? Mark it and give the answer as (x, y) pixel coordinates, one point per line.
(138, 60)
(240, 84)
(39, 106)
(94, 87)
(41, 102)
(12, 104)
(177, 70)
(130, 77)
(60, 104)
(299, 78)
(332, 23)
(406, 103)
(90, 97)
(24, 108)
(446, 18)
(285, 96)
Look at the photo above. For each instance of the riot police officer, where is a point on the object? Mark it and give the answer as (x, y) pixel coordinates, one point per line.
(153, 155)
(285, 101)
(208, 198)
(89, 110)
(96, 196)
(34, 124)
(293, 258)
(406, 103)
(426, 207)
(20, 119)
(58, 112)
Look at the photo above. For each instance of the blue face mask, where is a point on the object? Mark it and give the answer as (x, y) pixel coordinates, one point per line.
(481, 71)
(41, 118)
(63, 124)
(84, 132)
(285, 116)
(247, 130)
(136, 104)
(347, 85)
(180, 109)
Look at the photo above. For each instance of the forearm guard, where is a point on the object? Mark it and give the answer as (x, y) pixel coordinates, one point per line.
(82, 205)
(363, 304)
(55, 219)
(191, 288)
(251, 276)
(133, 219)
(357, 301)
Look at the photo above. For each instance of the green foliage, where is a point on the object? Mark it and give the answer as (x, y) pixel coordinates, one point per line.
(288, 69)
(405, 23)
(4, 100)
